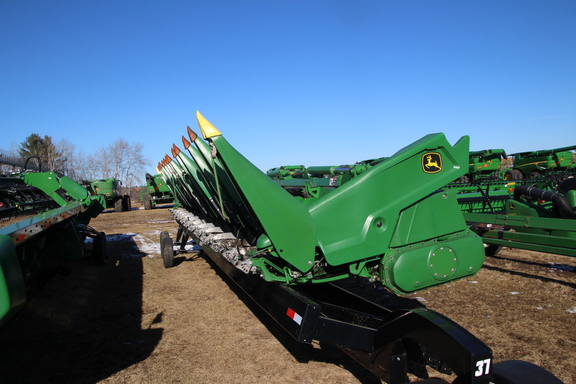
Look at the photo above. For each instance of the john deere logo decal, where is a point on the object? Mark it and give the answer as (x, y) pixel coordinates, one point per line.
(431, 162)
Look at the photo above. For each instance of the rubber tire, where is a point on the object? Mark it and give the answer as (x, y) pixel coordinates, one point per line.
(119, 205)
(521, 372)
(513, 174)
(126, 203)
(535, 175)
(147, 203)
(167, 249)
(492, 249)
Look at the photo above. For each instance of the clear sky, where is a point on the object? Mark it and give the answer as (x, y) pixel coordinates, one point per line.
(316, 82)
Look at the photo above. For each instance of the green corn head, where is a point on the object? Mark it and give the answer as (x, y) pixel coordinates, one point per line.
(44, 221)
(387, 219)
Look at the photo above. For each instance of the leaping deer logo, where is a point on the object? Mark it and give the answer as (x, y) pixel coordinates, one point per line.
(431, 162)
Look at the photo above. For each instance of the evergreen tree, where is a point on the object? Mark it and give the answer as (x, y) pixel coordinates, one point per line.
(44, 149)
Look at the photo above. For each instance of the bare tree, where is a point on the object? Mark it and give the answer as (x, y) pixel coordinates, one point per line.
(86, 167)
(67, 150)
(123, 161)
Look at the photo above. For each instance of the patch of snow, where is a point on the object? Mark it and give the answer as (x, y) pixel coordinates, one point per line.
(145, 245)
(120, 237)
(573, 310)
(514, 293)
(562, 267)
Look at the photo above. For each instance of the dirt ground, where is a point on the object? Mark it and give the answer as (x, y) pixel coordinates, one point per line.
(133, 321)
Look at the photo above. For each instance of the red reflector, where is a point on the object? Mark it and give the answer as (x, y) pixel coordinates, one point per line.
(294, 316)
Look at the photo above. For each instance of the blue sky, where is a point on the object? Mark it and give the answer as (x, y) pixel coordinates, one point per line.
(312, 82)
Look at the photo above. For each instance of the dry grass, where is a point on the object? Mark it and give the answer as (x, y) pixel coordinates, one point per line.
(133, 321)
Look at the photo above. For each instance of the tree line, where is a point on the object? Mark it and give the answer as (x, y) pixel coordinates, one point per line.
(120, 159)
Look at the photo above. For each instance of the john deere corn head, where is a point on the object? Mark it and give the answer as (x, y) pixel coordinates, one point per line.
(288, 236)
(43, 221)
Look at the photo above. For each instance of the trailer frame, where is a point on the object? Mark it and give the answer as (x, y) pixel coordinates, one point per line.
(382, 340)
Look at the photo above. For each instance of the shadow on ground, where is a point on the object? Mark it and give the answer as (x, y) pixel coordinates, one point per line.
(305, 353)
(83, 325)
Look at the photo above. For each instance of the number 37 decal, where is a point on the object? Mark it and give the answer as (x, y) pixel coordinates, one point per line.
(482, 367)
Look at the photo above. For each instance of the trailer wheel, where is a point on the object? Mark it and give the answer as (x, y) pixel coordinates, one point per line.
(167, 250)
(521, 372)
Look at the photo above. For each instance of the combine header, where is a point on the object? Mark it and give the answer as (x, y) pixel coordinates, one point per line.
(285, 238)
(43, 221)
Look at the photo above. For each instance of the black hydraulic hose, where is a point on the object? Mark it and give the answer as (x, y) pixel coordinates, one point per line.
(39, 163)
(557, 198)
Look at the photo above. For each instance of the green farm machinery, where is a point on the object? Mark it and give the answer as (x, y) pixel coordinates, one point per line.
(155, 192)
(289, 236)
(526, 218)
(44, 221)
(485, 165)
(110, 190)
(553, 164)
(529, 205)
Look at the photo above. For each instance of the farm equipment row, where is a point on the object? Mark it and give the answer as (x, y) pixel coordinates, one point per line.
(543, 166)
(44, 221)
(287, 236)
(530, 205)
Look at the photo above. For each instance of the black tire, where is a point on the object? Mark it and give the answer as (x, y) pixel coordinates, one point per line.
(147, 202)
(464, 179)
(521, 372)
(492, 249)
(535, 175)
(167, 250)
(119, 205)
(126, 203)
(513, 174)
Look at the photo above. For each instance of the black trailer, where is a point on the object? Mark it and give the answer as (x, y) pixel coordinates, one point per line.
(391, 343)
